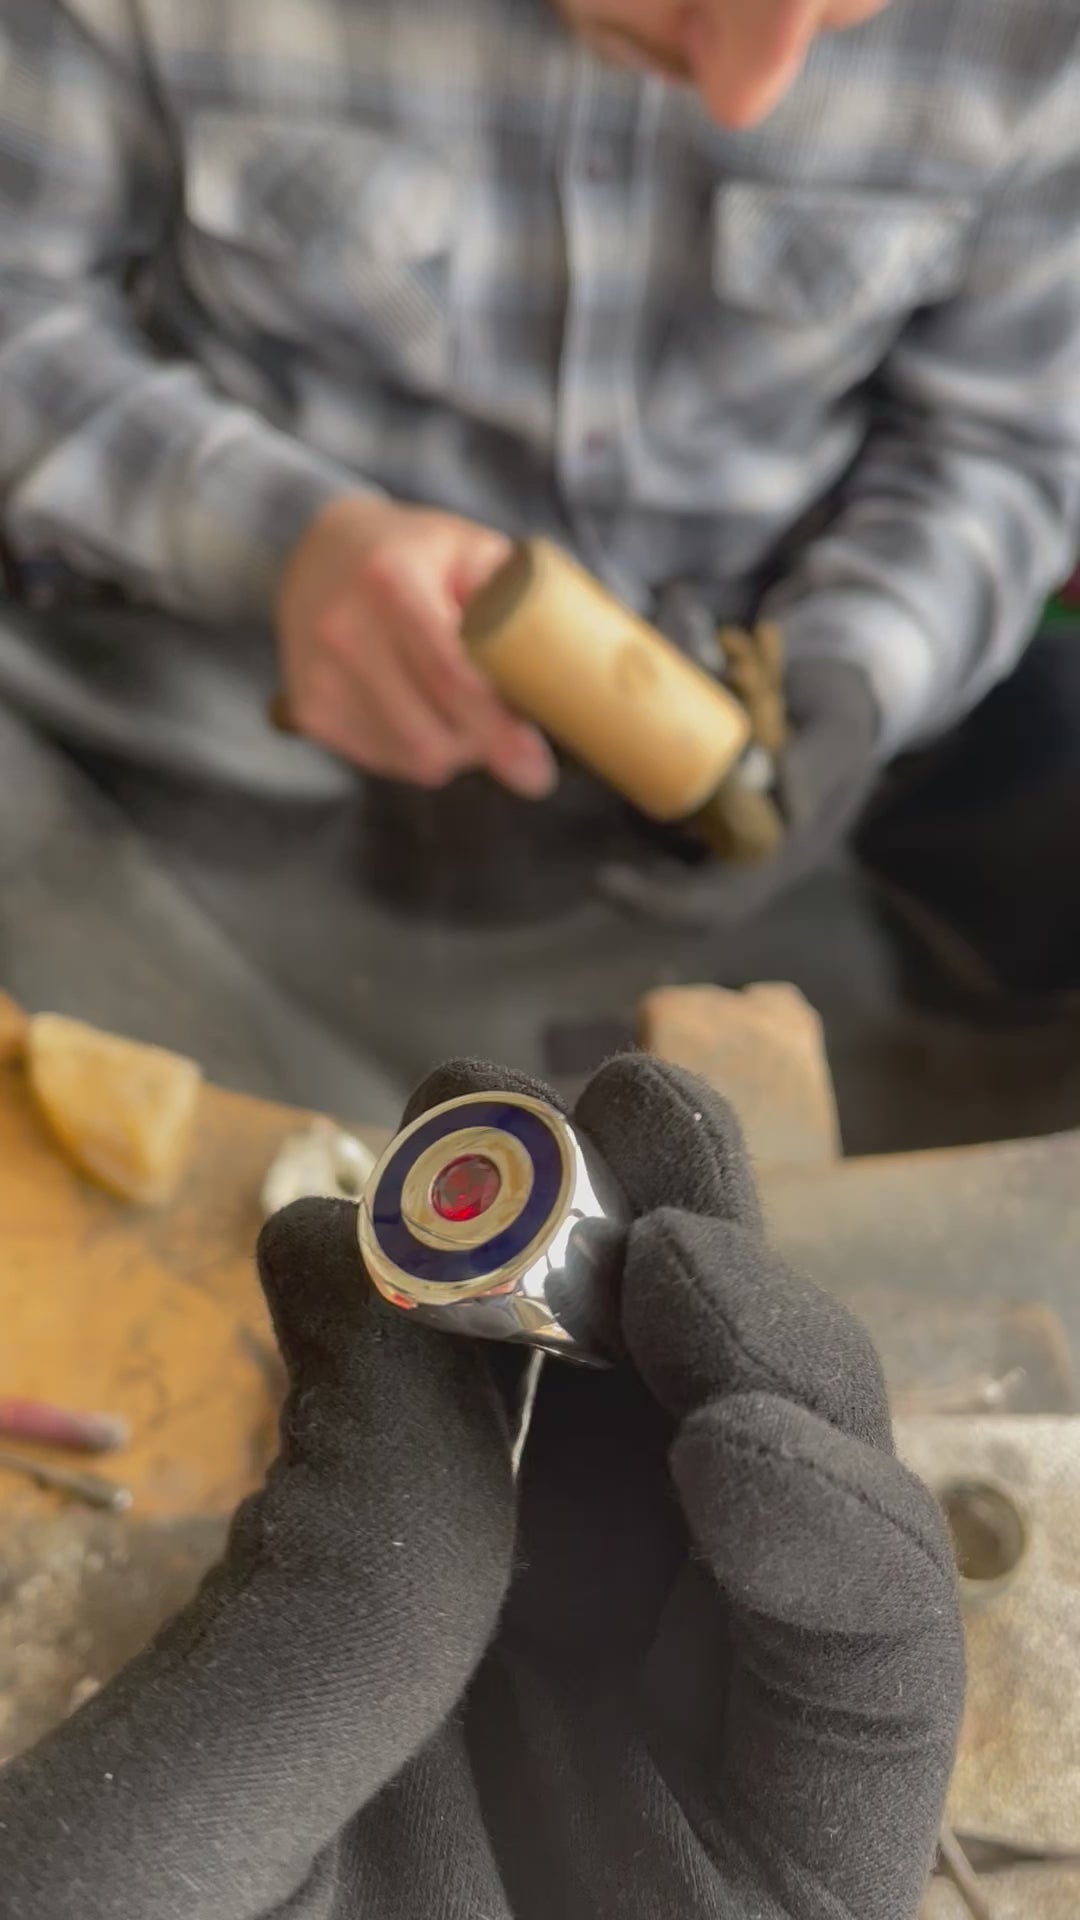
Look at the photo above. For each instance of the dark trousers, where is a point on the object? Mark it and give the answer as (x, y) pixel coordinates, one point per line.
(981, 834)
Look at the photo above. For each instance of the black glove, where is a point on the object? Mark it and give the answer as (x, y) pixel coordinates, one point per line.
(823, 777)
(728, 1676)
(358, 1593)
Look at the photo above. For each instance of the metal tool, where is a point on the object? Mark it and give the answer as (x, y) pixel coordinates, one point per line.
(323, 1161)
(530, 1388)
(963, 1876)
(491, 1216)
(92, 1488)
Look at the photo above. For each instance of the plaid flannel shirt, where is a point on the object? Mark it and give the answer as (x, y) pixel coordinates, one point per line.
(255, 253)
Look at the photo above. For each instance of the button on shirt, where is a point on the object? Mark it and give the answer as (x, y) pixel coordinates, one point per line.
(256, 253)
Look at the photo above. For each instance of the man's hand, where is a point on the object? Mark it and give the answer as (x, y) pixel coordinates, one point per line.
(369, 622)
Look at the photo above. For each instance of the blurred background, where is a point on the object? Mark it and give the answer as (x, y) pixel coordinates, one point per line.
(941, 946)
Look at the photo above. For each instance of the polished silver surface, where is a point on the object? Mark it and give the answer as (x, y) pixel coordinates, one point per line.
(556, 1290)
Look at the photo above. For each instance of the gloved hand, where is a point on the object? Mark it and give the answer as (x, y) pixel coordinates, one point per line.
(823, 777)
(729, 1677)
(358, 1592)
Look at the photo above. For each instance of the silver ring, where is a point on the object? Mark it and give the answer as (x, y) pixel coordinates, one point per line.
(490, 1216)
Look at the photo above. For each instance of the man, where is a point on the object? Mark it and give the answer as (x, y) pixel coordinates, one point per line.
(703, 1662)
(772, 306)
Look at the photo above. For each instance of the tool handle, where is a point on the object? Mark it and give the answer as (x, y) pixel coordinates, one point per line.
(603, 683)
(61, 1426)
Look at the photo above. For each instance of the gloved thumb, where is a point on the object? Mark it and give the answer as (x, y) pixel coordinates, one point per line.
(390, 1432)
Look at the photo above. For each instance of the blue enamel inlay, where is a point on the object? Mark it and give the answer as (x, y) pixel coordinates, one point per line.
(442, 1264)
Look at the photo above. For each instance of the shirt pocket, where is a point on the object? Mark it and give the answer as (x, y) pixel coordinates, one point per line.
(326, 234)
(838, 257)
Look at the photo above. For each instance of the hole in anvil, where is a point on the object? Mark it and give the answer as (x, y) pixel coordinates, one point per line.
(987, 1529)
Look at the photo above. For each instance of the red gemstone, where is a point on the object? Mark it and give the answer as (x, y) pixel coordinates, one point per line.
(466, 1188)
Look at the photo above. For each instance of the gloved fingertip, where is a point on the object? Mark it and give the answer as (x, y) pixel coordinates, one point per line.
(683, 1284)
(306, 1228)
(670, 1139)
(457, 1078)
(311, 1272)
(710, 1311)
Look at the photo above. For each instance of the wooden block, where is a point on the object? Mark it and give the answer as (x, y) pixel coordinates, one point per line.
(763, 1050)
(126, 1113)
